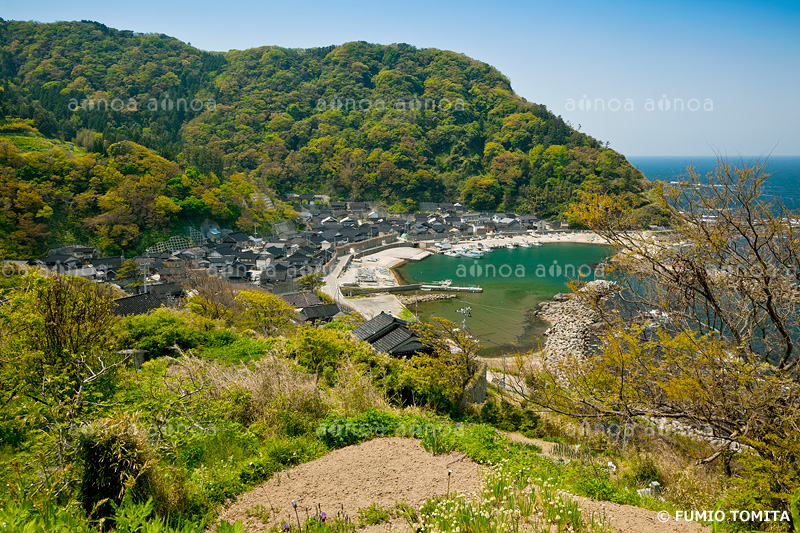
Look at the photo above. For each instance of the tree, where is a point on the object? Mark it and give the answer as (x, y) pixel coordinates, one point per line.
(130, 270)
(212, 297)
(56, 352)
(264, 312)
(312, 281)
(702, 327)
(57, 342)
(443, 375)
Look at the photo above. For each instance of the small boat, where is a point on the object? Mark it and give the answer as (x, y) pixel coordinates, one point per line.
(452, 253)
(472, 254)
(524, 245)
(536, 243)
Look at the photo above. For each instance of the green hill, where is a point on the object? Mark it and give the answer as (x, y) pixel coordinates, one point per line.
(359, 121)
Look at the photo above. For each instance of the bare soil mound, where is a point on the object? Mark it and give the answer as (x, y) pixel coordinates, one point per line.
(390, 470)
(383, 471)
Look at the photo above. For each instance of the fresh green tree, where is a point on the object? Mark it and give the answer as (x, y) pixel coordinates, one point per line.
(711, 334)
(443, 375)
(312, 281)
(264, 312)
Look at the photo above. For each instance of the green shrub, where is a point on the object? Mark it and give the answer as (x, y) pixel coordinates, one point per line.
(233, 350)
(47, 517)
(338, 431)
(643, 471)
(372, 515)
(158, 331)
(509, 417)
(116, 461)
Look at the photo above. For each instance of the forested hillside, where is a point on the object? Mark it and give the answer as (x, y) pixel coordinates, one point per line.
(358, 121)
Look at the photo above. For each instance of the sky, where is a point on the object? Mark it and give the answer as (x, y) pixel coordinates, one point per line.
(648, 77)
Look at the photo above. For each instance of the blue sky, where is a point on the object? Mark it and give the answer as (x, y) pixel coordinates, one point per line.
(605, 66)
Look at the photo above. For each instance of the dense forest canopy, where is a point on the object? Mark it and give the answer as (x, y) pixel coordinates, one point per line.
(360, 121)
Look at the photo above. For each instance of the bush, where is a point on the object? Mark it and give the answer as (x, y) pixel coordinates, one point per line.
(643, 471)
(339, 431)
(116, 462)
(509, 417)
(160, 330)
(238, 350)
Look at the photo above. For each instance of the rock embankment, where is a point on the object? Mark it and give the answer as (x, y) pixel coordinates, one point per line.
(411, 300)
(573, 323)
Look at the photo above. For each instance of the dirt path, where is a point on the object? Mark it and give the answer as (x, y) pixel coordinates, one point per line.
(391, 470)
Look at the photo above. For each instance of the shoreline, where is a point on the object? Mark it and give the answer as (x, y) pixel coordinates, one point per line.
(380, 269)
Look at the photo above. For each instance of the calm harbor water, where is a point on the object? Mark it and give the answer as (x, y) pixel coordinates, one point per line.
(513, 281)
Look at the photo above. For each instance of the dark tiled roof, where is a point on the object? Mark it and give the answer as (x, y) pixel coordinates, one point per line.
(392, 340)
(370, 329)
(112, 261)
(136, 305)
(165, 289)
(319, 311)
(302, 299)
(389, 334)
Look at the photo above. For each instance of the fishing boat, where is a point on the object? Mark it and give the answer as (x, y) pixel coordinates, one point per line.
(452, 253)
(471, 254)
(524, 244)
(536, 243)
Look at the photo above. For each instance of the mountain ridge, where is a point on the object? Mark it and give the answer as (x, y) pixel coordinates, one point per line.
(305, 120)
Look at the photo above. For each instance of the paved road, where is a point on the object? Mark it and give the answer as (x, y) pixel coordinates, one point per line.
(368, 306)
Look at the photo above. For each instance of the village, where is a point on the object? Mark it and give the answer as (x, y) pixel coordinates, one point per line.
(324, 232)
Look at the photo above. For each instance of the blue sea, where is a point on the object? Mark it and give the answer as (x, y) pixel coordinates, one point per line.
(784, 184)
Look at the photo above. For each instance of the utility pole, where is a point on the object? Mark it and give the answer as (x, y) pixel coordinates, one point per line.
(144, 276)
(467, 312)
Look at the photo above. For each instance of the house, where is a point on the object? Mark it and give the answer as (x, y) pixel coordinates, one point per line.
(238, 239)
(84, 252)
(139, 304)
(529, 221)
(358, 207)
(60, 262)
(301, 300)
(338, 207)
(167, 293)
(389, 334)
(319, 313)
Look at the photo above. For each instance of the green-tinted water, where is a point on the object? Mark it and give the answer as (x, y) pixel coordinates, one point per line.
(513, 281)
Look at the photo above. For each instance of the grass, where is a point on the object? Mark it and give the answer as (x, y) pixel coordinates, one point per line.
(407, 315)
(509, 502)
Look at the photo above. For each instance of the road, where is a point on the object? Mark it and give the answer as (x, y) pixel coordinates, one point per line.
(366, 306)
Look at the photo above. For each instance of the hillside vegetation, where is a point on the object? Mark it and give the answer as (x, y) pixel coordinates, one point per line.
(359, 121)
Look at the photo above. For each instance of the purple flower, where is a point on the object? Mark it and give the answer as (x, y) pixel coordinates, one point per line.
(322, 516)
(286, 526)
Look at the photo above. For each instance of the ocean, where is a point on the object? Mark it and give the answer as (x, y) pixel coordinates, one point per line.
(513, 280)
(784, 184)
